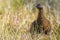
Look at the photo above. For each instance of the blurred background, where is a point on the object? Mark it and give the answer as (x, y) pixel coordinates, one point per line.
(16, 17)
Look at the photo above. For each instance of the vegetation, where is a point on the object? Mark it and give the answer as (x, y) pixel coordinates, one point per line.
(16, 17)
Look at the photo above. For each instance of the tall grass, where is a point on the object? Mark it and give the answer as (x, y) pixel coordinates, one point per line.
(16, 17)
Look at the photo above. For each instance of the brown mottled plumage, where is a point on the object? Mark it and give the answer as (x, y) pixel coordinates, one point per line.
(41, 23)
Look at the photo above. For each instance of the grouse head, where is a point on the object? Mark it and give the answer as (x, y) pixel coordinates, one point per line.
(39, 6)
